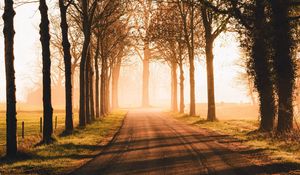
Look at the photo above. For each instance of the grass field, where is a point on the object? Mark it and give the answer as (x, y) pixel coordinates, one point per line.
(278, 149)
(31, 126)
(230, 111)
(68, 153)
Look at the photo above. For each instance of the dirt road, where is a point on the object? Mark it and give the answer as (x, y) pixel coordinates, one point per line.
(152, 143)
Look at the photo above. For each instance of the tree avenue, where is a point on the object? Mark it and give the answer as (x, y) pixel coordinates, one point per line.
(96, 39)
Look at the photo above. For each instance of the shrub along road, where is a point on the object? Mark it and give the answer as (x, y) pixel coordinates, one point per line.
(151, 142)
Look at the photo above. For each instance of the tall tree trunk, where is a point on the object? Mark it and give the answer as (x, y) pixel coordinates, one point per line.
(87, 88)
(75, 107)
(174, 105)
(284, 64)
(115, 83)
(102, 92)
(209, 40)
(181, 108)
(103, 81)
(107, 91)
(187, 17)
(146, 72)
(211, 108)
(190, 38)
(11, 119)
(97, 97)
(192, 83)
(91, 91)
(263, 78)
(68, 67)
(45, 41)
(86, 43)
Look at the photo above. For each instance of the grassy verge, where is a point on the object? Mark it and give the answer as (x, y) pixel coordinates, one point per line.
(278, 149)
(32, 133)
(68, 152)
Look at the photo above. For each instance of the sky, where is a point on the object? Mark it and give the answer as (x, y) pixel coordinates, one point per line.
(27, 53)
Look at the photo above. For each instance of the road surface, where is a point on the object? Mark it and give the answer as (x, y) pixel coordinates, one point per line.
(150, 142)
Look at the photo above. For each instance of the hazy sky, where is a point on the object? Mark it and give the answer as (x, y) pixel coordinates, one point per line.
(27, 53)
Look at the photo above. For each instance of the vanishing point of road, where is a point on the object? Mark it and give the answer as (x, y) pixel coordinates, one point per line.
(150, 142)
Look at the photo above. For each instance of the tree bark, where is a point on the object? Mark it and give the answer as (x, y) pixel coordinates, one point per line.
(115, 85)
(68, 67)
(11, 119)
(211, 108)
(209, 40)
(189, 39)
(146, 72)
(82, 100)
(45, 41)
(192, 83)
(102, 91)
(97, 97)
(87, 88)
(82, 72)
(174, 104)
(91, 91)
(103, 81)
(263, 78)
(107, 91)
(181, 108)
(284, 64)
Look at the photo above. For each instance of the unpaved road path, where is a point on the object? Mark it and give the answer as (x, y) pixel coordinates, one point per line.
(150, 142)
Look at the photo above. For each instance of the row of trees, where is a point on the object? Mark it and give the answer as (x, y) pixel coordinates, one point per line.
(95, 35)
(190, 26)
(102, 32)
(267, 33)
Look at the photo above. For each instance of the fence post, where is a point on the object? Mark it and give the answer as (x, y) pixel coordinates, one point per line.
(23, 128)
(41, 124)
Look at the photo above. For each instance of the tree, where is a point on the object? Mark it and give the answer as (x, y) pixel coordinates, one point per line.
(115, 84)
(261, 65)
(87, 87)
(165, 32)
(123, 47)
(111, 32)
(87, 14)
(68, 66)
(97, 81)
(252, 27)
(271, 62)
(284, 64)
(209, 20)
(187, 13)
(47, 105)
(180, 46)
(75, 39)
(11, 119)
(142, 24)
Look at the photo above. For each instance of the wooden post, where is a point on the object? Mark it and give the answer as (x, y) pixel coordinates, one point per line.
(55, 122)
(41, 124)
(23, 127)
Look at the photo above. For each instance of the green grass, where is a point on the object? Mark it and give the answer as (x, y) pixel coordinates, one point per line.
(277, 149)
(31, 121)
(68, 152)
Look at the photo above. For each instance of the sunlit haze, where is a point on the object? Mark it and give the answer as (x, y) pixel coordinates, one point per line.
(149, 87)
(27, 62)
